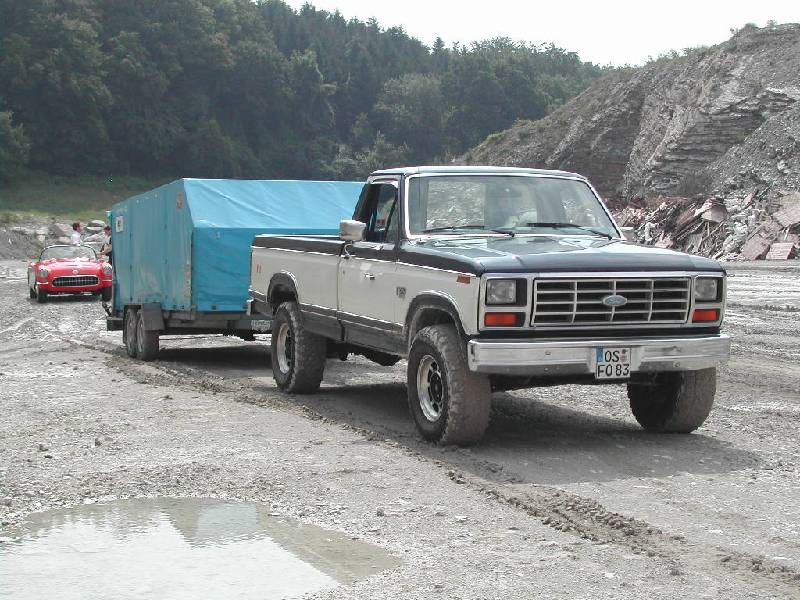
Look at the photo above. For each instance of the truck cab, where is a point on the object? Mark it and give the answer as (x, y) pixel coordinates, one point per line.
(490, 278)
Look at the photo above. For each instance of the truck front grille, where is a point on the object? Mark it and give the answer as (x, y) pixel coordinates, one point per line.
(77, 281)
(579, 302)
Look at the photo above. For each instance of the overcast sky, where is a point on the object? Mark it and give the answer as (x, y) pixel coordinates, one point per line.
(602, 31)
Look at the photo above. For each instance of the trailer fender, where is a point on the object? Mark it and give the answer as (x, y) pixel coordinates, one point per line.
(153, 316)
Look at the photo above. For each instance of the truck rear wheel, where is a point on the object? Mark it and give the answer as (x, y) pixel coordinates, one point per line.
(674, 402)
(129, 331)
(449, 403)
(146, 341)
(298, 356)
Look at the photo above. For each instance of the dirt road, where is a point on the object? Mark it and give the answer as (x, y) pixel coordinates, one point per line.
(566, 498)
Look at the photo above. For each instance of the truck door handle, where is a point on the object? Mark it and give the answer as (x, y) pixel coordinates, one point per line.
(369, 276)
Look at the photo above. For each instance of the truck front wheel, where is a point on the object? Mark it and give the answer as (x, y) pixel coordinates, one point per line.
(673, 402)
(298, 356)
(449, 403)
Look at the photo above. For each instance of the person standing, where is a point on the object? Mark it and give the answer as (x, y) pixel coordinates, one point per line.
(75, 237)
(106, 249)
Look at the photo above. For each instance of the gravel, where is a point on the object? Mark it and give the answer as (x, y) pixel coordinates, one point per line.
(566, 498)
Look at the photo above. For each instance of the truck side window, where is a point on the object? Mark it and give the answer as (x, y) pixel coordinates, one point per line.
(382, 219)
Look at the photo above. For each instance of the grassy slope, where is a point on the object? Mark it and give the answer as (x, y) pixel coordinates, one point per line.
(79, 198)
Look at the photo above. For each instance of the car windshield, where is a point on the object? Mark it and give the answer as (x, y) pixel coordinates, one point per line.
(68, 252)
(505, 203)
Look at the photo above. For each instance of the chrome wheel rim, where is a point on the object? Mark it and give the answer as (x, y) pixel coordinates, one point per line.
(283, 348)
(430, 388)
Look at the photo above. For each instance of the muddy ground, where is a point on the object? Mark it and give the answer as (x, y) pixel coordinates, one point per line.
(566, 498)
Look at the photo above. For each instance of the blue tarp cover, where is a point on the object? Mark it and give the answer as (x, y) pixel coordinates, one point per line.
(187, 244)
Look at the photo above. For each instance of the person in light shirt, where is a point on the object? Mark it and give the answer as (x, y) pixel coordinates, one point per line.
(75, 237)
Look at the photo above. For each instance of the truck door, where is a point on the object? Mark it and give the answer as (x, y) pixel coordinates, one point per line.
(367, 271)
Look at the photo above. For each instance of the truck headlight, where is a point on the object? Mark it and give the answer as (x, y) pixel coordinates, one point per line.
(706, 289)
(501, 291)
(43, 273)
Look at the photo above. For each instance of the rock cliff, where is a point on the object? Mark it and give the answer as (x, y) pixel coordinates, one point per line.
(724, 120)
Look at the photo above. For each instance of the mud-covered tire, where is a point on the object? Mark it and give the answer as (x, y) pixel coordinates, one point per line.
(41, 295)
(298, 356)
(146, 341)
(449, 403)
(129, 331)
(105, 294)
(673, 402)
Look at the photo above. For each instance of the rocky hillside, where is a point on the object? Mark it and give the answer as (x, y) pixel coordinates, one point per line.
(719, 120)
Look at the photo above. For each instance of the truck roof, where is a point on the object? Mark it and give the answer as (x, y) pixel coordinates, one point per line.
(461, 170)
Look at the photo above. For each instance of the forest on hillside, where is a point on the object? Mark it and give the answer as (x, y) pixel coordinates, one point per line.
(235, 88)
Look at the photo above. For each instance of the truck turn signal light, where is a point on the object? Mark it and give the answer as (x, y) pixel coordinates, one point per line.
(502, 319)
(705, 315)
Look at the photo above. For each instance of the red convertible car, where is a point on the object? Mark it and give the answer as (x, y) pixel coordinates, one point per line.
(69, 270)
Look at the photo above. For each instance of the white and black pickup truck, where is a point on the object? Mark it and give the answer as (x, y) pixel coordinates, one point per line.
(490, 279)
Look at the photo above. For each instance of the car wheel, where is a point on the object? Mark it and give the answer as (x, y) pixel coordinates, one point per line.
(449, 403)
(41, 295)
(105, 294)
(298, 356)
(31, 293)
(129, 331)
(146, 341)
(673, 402)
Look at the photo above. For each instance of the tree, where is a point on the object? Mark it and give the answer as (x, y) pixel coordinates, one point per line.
(14, 147)
(410, 112)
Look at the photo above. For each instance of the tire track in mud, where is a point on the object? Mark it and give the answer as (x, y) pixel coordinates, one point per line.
(588, 519)
(563, 511)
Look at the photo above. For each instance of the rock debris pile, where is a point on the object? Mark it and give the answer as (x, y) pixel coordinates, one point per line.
(753, 227)
(24, 237)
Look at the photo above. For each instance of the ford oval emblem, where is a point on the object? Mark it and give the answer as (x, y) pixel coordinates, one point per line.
(615, 300)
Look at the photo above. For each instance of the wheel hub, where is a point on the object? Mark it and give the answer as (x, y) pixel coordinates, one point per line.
(430, 388)
(284, 348)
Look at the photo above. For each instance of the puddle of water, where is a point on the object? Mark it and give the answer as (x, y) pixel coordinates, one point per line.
(177, 548)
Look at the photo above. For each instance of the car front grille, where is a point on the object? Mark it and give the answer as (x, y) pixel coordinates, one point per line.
(77, 281)
(579, 302)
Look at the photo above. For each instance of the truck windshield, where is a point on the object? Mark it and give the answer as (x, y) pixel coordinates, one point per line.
(457, 204)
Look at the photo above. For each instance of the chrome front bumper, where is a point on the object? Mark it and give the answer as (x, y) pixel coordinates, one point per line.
(564, 357)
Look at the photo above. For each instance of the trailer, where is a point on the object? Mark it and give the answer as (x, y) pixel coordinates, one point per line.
(181, 252)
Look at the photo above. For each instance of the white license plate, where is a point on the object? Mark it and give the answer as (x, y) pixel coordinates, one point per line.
(612, 363)
(260, 325)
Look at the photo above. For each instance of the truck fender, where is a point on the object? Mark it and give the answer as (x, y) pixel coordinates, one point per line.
(430, 309)
(153, 316)
(282, 287)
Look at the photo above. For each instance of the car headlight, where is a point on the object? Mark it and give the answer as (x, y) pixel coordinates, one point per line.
(501, 291)
(706, 289)
(43, 272)
(107, 269)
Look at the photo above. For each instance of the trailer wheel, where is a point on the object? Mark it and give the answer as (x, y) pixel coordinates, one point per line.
(129, 331)
(298, 356)
(146, 341)
(674, 402)
(450, 404)
(41, 295)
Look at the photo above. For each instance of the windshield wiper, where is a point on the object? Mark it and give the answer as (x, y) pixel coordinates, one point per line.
(573, 226)
(457, 227)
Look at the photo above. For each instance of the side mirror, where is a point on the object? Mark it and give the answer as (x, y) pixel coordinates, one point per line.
(351, 231)
(629, 234)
